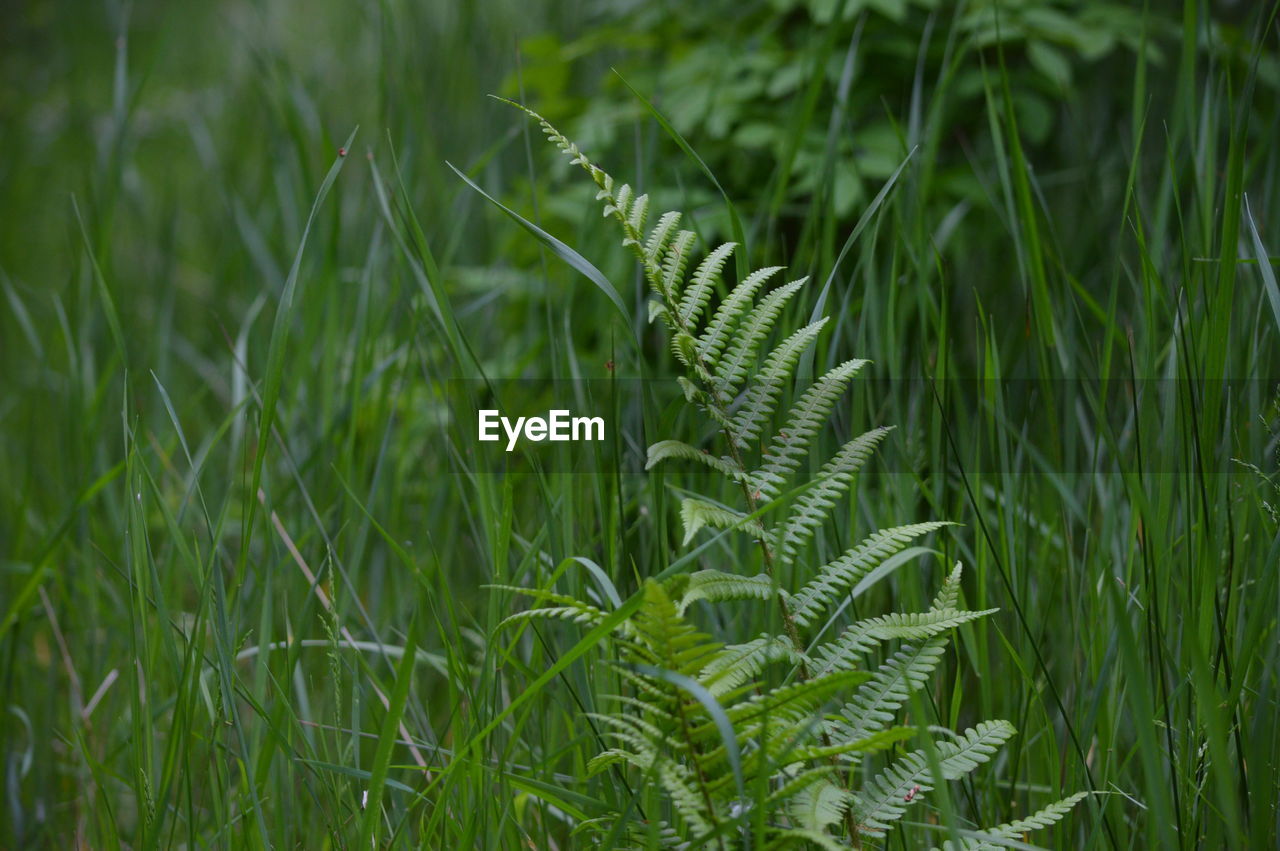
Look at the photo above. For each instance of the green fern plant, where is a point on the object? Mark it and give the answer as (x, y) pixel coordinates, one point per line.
(741, 757)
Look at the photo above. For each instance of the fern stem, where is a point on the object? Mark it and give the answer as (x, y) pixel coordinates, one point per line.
(789, 624)
(788, 619)
(697, 767)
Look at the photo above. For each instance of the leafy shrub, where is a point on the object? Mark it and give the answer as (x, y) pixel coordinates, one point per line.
(824, 98)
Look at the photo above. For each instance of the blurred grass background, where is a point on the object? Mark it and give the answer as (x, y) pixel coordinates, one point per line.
(1076, 191)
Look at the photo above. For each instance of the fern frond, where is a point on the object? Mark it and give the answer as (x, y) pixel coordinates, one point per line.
(767, 726)
(799, 696)
(658, 715)
(1045, 817)
(683, 346)
(813, 506)
(618, 204)
(639, 213)
(642, 738)
(577, 614)
(682, 788)
(842, 654)
(657, 310)
(665, 835)
(762, 393)
(666, 449)
(565, 608)
(704, 280)
(731, 370)
(738, 664)
(791, 443)
(674, 262)
(655, 693)
(672, 642)
(715, 586)
(655, 247)
(880, 741)
(697, 513)
(847, 570)
(607, 759)
(730, 311)
(795, 778)
(885, 798)
(819, 806)
(874, 704)
(949, 594)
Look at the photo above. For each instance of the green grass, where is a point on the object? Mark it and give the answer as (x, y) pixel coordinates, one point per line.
(1076, 362)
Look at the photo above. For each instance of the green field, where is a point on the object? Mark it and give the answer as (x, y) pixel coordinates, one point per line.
(263, 262)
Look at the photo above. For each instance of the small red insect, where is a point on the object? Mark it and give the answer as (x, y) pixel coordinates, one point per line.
(342, 152)
(609, 365)
(910, 796)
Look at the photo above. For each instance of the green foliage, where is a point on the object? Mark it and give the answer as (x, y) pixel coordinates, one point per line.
(726, 85)
(742, 760)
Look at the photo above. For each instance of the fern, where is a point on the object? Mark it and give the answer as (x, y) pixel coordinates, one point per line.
(886, 797)
(819, 806)
(1014, 830)
(791, 443)
(664, 450)
(706, 720)
(852, 566)
(566, 607)
(715, 586)
(697, 513)
(743, 663)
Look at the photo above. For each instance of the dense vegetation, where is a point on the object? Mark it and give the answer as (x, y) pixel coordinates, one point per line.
(254, 574)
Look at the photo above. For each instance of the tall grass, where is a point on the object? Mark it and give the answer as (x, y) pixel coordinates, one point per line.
(245, 545)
